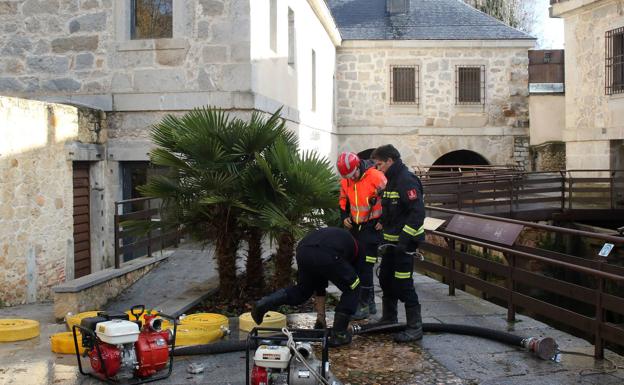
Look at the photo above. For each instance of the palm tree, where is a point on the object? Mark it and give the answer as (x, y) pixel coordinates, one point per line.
(210, 156)
(304, 190)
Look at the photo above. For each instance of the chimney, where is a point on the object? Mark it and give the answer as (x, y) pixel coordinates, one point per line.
(394, 7)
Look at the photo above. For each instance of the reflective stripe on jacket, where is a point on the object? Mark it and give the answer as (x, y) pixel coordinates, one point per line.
(356, 196)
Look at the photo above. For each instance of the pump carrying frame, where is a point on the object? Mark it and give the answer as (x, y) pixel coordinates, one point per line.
(112, 381)
(277, 337)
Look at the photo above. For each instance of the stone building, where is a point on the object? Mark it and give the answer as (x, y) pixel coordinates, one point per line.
(239, 55)
(594, 77)
(444, 82)
(441, 80)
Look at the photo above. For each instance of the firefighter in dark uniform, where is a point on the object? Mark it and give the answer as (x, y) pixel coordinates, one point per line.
(402, 219)
(328, 254)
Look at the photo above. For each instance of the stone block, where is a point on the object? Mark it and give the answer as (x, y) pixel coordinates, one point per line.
(75, 43)
(17, 46)
(240, 52)
(10, 85)
(171, 58)
(350, 75)
(48, 64)
(209, 78)
(83, 61)
(157, 80)
(62, 84)
(215, 54)
(94, 22)
(37, 7)
(236, 77)
(8, 7)
(212, 7)
(133, 59)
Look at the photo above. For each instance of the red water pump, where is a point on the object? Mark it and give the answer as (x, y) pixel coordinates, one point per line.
(122, 350)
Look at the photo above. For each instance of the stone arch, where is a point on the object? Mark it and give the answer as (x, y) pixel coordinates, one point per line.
(461, 157)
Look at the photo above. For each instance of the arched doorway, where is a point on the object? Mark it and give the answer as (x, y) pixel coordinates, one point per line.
(455, 160)
(461, 158)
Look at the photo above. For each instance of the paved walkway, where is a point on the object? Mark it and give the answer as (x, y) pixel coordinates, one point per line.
(440, 358)
(176, 284)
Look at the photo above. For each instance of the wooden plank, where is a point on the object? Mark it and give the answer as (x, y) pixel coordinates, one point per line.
(81, 246)
(538, 200)
(560, 314)
(605, 189)
(82, 255)
(81, 228)
(612, 332)
(552, 285)
(479, 284)
(432, 267)
(83, 218)
(80, 210)
(541, 181)
(483, 264)
(81, 237)
(81, 201)
(81, 192)
(83, 264)
(613, 303)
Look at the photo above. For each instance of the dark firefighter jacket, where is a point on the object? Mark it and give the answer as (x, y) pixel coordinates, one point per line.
(337, 241)
(403, 207)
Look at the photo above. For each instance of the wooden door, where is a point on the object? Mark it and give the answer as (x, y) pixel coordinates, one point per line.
(82, 227)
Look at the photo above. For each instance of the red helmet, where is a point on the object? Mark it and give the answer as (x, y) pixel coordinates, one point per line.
(348, 163)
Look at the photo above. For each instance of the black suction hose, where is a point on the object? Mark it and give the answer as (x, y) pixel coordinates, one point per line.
(504, 337)
(544, 348)
(212, 348)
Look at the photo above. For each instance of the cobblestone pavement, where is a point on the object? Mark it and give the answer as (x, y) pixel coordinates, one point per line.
(437, 359)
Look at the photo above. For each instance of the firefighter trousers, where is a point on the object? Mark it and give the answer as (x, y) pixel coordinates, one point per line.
(318, 266)
(395, 278)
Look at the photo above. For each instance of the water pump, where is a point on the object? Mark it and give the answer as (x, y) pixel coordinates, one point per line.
(122, 350)
(288, 358)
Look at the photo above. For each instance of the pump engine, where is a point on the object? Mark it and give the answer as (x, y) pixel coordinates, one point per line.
(288, 359)
(119, 349)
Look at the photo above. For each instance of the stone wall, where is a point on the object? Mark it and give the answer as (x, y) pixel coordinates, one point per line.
(548, 156)
(83, 48)
(426, 131)
(36, 200)
(592, 117)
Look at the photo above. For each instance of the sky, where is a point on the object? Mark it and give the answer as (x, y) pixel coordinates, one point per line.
(549, 31)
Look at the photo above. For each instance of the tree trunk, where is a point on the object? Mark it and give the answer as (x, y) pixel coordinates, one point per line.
(254, 268)
(225, 250)
(283, 260)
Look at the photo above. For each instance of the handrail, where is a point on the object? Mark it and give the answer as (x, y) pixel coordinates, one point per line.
(604, 237)
(491, 246)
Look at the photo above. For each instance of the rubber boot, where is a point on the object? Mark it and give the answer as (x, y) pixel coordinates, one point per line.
(389, 311)
(413, 330)
(340, 335)
(372, 306)
(267, 303)
(363, 308)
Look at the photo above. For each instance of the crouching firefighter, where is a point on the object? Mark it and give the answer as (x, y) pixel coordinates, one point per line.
(328, 254)
(360, 210)
(402, 220)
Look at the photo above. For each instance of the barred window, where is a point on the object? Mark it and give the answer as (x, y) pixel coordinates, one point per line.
(152, 19)
(404, 85)
(469, 84)
(614, 66)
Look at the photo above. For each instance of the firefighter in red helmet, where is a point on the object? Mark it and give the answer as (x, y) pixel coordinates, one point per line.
(360, 208)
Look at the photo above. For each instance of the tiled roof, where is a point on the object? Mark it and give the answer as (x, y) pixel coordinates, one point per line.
(426, 20)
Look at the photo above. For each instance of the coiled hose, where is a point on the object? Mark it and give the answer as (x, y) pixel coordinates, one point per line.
(545, 348)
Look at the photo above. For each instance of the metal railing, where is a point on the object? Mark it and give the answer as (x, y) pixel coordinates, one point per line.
(600, 287)
(531, 195)
(129, 244)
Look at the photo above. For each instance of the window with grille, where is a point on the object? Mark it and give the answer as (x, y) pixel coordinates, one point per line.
(614, 66)
(404, 85)
(470, 85)
(151, 19)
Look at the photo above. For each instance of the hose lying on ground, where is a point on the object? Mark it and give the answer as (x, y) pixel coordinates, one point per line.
(544, 348)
